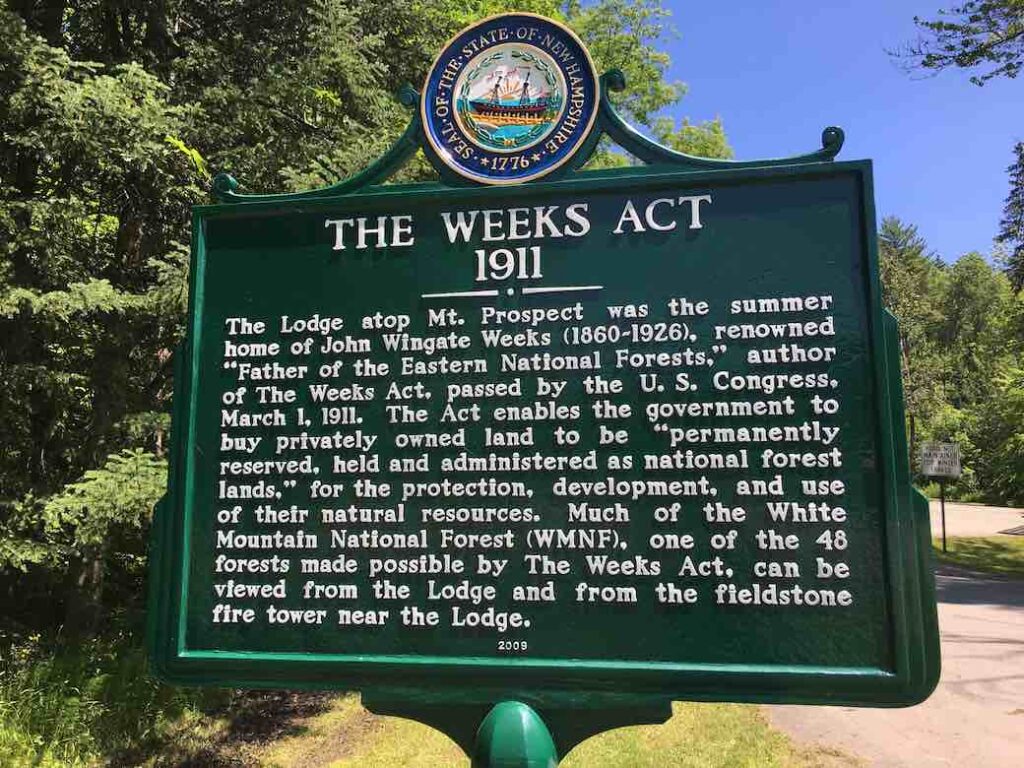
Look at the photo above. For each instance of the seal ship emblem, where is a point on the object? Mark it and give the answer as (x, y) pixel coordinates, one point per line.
(509, 99)
(500, 108)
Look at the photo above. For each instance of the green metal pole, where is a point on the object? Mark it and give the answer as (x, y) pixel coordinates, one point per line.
(514, 736)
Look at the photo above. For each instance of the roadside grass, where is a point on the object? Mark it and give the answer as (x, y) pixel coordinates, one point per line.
(1003, 555)
(705, 735)
(96, 704)
(88, 705)
(962, 495)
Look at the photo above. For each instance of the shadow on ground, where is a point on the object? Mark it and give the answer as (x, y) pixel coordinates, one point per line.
(251, 720)
(961, 587)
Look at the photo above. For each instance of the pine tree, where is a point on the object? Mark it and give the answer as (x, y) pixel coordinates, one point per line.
(912, 282)
(978, 34)
(1011, 228)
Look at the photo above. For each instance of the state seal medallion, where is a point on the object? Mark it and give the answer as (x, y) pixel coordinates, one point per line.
(510, 99)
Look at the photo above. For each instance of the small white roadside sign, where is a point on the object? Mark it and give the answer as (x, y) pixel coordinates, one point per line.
(940, 460)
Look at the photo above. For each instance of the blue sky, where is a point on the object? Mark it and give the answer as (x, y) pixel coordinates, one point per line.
(778, 72)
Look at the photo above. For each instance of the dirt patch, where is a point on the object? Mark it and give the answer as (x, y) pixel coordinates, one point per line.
(260, 717)
(330, 740)
(235, 734)
(823, 756)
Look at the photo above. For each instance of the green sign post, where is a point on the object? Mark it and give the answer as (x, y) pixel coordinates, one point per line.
(529, 461)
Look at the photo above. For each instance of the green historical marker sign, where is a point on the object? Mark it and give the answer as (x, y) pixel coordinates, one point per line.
(603, 440)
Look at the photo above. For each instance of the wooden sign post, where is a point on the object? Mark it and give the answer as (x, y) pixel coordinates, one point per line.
(529, 459)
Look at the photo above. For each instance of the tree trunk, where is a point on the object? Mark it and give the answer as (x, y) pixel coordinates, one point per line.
(85, 606)
(908, 405)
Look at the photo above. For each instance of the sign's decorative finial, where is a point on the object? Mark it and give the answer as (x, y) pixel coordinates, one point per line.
(509, 99)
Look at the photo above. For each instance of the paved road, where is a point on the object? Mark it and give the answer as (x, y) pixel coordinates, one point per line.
(975, 718)
(976, 519)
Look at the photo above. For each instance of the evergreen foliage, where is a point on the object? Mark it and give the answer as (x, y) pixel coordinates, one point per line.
(911, 278)
(962, 349)
(980, 33)
(1011, 227)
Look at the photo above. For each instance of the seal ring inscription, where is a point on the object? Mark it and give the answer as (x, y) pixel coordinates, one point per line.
(510, 99)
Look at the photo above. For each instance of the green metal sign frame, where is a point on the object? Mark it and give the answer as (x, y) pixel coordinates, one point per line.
(454, 693)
